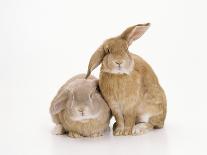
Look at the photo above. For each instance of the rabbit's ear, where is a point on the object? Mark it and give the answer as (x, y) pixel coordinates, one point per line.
(59, 102)
(95, 60)
(134, 32)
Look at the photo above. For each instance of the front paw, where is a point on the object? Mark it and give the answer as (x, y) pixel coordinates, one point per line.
(74, 134)
(118, 130)
(98, 134)
(127, 131)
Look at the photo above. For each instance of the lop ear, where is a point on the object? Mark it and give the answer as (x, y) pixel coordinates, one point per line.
(59, 102)
(134, 32)
(95, 60)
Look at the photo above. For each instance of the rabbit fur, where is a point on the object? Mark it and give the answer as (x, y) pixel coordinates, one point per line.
(129, 85)
(79, 110)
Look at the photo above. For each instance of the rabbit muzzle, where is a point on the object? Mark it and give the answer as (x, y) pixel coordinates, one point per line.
(84, 114)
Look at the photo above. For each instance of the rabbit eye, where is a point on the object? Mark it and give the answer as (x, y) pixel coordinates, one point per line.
(91, 96)
(107, 50)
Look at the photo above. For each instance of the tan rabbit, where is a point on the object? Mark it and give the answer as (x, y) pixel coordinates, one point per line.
(79, 110)
(129, 85)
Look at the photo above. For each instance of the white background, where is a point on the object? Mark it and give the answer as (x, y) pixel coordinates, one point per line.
(45, 42)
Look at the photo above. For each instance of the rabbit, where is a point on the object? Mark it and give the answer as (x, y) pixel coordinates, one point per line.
(129, 85)
(79, 110)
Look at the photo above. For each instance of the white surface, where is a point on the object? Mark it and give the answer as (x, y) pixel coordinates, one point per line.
(45, 42)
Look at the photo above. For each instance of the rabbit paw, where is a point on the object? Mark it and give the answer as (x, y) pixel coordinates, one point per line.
(128, 131)
(74, 134)
(98, 134)
(118, 130)
(141, 128)
(58, 130)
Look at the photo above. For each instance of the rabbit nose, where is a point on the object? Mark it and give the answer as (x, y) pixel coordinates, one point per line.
(81, 111)
(118, 62)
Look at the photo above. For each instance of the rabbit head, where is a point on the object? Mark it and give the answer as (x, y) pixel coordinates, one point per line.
(79, 100)
(114, 54)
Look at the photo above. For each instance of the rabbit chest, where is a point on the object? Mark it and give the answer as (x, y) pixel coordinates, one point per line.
(121, 89)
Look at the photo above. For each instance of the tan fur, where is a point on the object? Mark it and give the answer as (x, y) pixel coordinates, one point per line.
(129, 85)
(62, 117)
